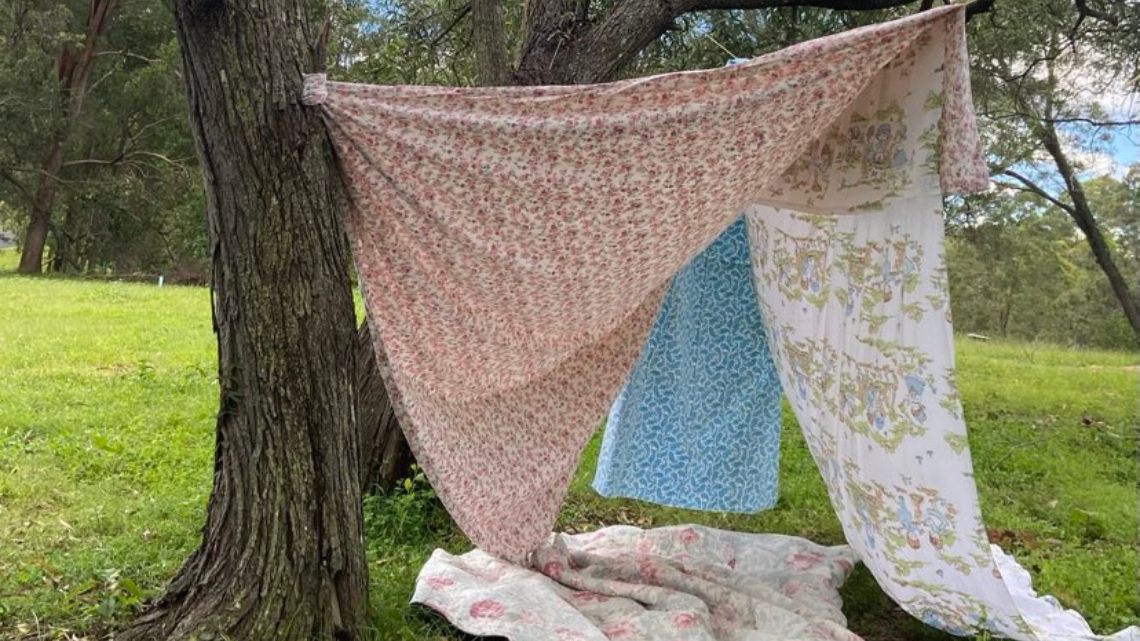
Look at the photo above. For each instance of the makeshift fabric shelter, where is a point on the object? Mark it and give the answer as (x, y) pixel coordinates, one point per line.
(514, 245)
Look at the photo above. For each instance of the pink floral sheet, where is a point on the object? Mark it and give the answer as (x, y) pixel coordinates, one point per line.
(685, 583)
(514, 244)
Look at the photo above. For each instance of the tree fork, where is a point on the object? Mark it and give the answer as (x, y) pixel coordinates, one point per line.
(282, 553)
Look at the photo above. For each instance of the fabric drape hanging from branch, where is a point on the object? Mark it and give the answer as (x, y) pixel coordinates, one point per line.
(514, 245)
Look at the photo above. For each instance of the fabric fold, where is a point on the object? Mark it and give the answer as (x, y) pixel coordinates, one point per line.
(514, 244)
(683, 583)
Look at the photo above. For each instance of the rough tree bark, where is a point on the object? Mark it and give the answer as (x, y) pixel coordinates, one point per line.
(282, 552)
(73, 68)
(384, 453)
(490, 42)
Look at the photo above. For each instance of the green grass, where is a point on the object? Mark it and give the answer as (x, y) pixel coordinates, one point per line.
(107, 396)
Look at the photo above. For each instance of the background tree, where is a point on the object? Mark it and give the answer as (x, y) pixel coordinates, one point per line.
(1041, 83)
(96, 162)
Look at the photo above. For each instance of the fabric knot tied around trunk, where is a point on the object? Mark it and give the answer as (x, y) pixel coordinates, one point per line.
(316, 89)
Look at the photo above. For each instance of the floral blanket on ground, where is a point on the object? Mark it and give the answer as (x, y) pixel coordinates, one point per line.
(687, 583)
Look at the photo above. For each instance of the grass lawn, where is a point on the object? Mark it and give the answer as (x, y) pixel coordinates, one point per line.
(107, 396)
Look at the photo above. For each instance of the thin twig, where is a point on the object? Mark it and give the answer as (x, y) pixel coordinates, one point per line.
(722, 47)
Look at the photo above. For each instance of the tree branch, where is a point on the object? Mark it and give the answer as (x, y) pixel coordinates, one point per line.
(1095, 123)
(20, 187)
(837, 5)
(1032, 187)
(1085, 10)
(978, 6)
(127, 54)
(560, 50)
(459, 16)
(1082, 214)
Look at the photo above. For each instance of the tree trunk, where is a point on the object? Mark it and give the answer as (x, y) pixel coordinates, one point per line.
(35, 239)
(282, 554)
(73, 69)
(384, 453)
(490, 43)
(1082, 214)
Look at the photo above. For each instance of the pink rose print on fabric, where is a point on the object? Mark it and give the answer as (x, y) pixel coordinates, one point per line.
(439, 582)
(486, 609)
(684, 620)
(688, 536)
(792, 588)
(566, 634)
(649, 570)
(583, 596)
(805, 560)
(553, 569)
(488, 574)
(645, 546)
(620, 630)
(845, 565)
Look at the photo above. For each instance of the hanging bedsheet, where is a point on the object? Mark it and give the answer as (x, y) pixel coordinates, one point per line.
(514, 246)
(848, 263)
(697, 425)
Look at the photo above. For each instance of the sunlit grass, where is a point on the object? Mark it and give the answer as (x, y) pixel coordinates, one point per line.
(107, 398)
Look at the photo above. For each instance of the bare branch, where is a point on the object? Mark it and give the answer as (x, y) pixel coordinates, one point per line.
(92, 86)
(20, 187)
(143, 129)
(1086, 11)
(1032, 187)
(93, 161)
(459, 16)
(175, 162)
(838, 5)
(46, 174)
(128, 54)
(1095, 123)
(978, 6)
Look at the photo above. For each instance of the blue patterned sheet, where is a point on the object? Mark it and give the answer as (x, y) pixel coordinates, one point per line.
(697, 424)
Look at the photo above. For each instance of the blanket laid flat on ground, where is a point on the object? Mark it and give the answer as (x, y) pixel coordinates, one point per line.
(686, 583)
(697, 424)
(514, 246)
